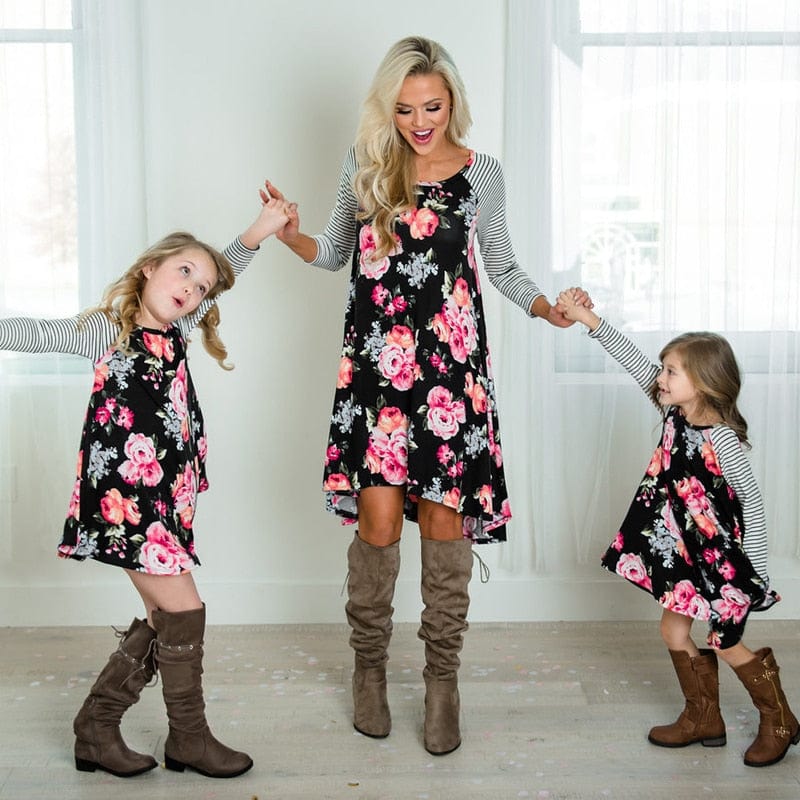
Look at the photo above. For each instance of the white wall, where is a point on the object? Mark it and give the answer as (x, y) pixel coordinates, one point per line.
(235, 92)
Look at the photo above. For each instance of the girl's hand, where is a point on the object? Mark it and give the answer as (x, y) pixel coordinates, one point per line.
(290, 231)
(575, 304)
(272, 218)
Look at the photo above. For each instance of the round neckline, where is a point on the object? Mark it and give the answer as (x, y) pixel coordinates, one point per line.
(469, 162)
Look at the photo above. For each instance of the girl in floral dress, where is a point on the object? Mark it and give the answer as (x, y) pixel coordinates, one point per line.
(695, 536)
(414, 431)
(140, 468)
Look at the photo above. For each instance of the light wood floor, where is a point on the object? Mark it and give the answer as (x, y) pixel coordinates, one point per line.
(551, 711)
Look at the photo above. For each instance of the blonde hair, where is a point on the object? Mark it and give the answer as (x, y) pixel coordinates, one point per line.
(122, 300)
(385, 181)
(714, 372)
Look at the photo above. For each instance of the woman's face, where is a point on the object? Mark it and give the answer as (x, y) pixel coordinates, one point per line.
(422, 112)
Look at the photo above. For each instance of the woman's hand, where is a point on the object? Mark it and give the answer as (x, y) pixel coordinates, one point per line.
(289, 233)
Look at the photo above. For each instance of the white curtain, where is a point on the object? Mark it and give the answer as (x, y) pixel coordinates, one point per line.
(652, 155)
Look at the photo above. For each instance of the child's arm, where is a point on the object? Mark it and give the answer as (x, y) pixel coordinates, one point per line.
(737, 472)
(615, 343)
(88, 336)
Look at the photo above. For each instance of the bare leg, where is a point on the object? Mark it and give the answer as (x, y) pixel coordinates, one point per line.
(380, 514)
(676, 632)
(170, 593)
(439, 522)
(736, 656)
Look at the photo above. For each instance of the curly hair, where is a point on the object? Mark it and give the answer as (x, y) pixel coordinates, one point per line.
(385, 181)
(122, 300)
(711, 366)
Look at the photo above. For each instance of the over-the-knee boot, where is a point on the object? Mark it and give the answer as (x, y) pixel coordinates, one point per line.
(179, 657)
(370, 589)
(701, 720)
(98, 741)
(778, 727)
(446, 572)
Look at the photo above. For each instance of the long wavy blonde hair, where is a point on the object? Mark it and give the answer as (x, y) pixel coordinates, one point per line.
(714, 372)
(122, 300)
(385, 181)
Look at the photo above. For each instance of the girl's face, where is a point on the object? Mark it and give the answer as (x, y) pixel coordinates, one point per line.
(422, 112)
(175, 287)
(675, 386)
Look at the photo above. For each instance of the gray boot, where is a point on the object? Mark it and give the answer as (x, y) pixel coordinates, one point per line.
(370, 588)
(446, 571)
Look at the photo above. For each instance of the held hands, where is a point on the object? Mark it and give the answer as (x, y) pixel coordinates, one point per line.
(290, 231)
(576, 306)
(273, 217)
(554, 314)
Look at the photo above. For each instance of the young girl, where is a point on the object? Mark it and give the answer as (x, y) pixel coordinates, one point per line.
(695, 536)
(140, 466)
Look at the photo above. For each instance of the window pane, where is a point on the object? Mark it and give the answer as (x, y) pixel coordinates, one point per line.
(33, 14)
(38, 215)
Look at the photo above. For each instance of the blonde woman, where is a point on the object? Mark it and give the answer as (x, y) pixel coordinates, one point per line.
(414, 431)
(140, 467)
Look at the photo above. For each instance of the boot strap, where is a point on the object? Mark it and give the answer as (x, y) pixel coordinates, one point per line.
(178, 648)
(768, 675)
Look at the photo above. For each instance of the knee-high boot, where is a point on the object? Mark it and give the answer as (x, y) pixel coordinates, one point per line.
(98, 741)
(446, 571)
(370, 588)
(778, 726)
(701, 719)
(179, 657)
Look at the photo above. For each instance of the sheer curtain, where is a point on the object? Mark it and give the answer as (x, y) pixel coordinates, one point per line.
(652, 155)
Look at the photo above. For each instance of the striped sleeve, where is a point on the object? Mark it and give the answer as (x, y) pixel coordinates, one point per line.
(336, 243)
(737, 472)
(485, 175)
(89, 336)
(627, 354)
(239, 256)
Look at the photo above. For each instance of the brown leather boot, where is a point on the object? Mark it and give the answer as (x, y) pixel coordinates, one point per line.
(778, 727)
(446, 571)
(370, 589)
(98, 742)
(701, 720)
(179, 657)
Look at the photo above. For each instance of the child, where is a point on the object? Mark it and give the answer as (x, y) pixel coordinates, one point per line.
(140, 467)
(695, 537)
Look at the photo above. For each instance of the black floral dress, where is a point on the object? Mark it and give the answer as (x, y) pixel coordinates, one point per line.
(141, 462)
(415, 400)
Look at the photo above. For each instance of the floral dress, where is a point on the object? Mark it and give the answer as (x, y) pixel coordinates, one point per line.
(682, 538)
(142, 460)
(415, 400)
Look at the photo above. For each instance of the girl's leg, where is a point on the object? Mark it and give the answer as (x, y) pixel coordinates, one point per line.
(178, 616)
(446, 571)
(778, 727)
(373, 561)
(697, 671)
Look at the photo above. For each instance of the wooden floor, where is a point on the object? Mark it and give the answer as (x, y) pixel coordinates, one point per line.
(549, 711)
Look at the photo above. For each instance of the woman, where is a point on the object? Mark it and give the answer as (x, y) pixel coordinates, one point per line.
(414, 430)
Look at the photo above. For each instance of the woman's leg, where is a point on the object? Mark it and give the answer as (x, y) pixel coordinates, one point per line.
(380, 514)
(446, 571)
(697, 671)
(166, 592)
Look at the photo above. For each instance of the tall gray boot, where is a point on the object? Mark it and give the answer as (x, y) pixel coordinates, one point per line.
(446, 571)
(370, 589)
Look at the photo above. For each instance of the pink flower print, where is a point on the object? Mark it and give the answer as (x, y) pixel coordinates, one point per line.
(387, 453)
(632, 568)
(379, 294)
(438, 364)
(452, 498)
(141, 464)
(345, 376)
(679, 599)
(391, 418)
(178, 395)
(332, 454)
(161, 554)
(441, 327)
(155, 343)
(125, 418)
(74, 509)
(115, 508)
(732, 605)
(691, 491)
(160, 508)
(100, 376)
(727, 570)
(667, 441)
(202, 448)
(505, 509)
(422, 222)
(444, 414)
(485, 498)
(477, 393)
(402, 336)
(710, 459)
(444, 454)
(461, 293)
(463, 335)
(654, 467)
(184, 495)
(371, 268)
(617, 544)
(699, 608)
(102, 415)
(711, 555)
(337, 482)
(397, 360)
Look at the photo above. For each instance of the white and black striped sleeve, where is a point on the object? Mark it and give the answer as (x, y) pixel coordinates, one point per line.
(485, 175)
(627, 354)
(737, 472)
(89, 336)
(336, 243)
(239, 256)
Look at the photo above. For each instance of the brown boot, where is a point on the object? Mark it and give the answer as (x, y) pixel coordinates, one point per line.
(370, 589)
(179, 656)
(98, 742)
(778, 727)
(446, 571)
(700, 720)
